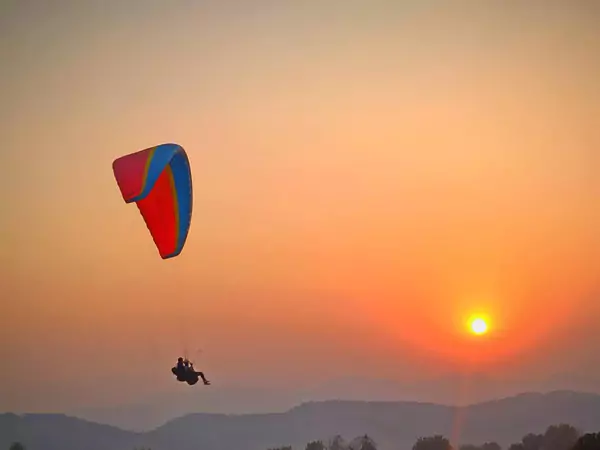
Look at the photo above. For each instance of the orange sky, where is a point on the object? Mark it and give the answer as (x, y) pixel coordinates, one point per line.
(365, 178)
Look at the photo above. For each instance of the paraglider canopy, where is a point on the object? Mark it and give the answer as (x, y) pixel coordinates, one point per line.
(159, 180)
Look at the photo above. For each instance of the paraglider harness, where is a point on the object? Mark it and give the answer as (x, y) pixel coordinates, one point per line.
(187, 373)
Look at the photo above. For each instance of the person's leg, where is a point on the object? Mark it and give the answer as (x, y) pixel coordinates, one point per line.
(201, 374)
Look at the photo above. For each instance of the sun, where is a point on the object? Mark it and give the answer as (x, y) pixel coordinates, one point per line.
(478, 326)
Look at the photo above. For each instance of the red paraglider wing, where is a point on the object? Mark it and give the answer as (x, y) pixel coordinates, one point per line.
(158, 180)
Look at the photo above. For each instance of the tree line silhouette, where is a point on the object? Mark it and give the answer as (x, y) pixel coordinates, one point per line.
(556, 437)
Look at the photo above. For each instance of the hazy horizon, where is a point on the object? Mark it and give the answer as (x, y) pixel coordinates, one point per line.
(366, 177)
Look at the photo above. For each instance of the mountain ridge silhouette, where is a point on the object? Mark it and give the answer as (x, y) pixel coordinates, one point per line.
(393, 424)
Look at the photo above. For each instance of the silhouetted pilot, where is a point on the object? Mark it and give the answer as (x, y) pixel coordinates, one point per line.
(180, 370)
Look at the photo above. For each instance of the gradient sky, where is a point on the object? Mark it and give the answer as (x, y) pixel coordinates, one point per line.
(367, 175)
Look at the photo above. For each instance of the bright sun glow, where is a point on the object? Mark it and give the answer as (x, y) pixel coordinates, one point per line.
(479, 326)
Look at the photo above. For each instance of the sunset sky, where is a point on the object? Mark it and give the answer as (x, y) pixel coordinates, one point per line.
(367, 175)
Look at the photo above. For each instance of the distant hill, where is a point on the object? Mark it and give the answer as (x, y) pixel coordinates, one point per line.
(394, 425)
(60, 432)
(160, 407)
